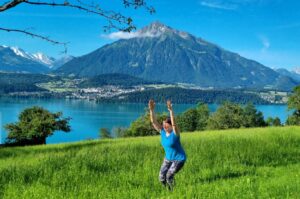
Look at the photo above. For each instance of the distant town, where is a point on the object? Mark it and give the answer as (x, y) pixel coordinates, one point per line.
(70, 90)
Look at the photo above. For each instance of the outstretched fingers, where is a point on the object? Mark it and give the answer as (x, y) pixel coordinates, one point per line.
(151, 104)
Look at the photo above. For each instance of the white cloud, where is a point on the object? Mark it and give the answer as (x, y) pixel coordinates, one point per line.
(218, 5)
(234, 4)
(129, 35)
(265, 42)
(120, 35)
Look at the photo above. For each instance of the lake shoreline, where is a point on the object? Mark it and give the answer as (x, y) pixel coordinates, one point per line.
(89, 116)
(55, 96)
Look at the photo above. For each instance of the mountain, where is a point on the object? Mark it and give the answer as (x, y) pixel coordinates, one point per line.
(292, 74)
(43, 59)
(51, 62)
(160, 53)
(61, 61)
(14, 59)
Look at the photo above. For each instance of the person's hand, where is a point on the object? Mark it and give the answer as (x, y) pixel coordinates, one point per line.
(169, 105)
(151, 104)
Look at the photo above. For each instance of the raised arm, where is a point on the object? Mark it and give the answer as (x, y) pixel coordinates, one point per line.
(175, 127)
(153, 119)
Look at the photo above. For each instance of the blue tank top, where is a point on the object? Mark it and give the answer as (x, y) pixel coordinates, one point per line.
(172, 146)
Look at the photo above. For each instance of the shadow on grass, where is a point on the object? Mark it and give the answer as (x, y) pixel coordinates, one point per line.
(6, 152)
(282, 160)
(225, 176)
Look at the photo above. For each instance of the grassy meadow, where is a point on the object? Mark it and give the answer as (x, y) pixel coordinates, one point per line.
(242, 163)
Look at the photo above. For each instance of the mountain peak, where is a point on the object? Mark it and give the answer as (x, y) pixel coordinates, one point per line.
(158, 25)
(155, 29)
(20, 52)
(43, 59)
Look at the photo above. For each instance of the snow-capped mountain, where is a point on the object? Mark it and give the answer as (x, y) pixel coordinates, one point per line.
(44, 59)
(19, 52)
(18, 60)
(39, 57)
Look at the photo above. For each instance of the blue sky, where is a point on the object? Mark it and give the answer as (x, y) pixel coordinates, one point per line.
(267, 31)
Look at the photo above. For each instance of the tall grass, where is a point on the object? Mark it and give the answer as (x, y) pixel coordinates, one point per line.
(244, 163)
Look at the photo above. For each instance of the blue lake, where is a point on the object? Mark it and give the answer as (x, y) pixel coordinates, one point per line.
(88, 117)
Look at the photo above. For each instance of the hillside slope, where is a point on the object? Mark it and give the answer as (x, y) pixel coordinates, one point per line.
(245, 163)
(161, 53)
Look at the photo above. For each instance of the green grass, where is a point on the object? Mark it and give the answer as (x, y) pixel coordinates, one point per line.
(244, 163)
(63, 85)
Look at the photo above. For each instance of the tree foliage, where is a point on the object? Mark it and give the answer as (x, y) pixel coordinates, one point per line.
(253, 117)
(203, 115)
(294, 99)
(104, 133)
(273, 121)
(188, 120)
(35, 125)
(294, 104)
(142, 126)
(277, 122)
(228, 115)
(20, 82)
(187, 96)
(116, 79)
(119, 131)
(194, 119)
(293, 119)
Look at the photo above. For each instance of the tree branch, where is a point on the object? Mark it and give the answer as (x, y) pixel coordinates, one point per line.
(115, 19)
(138, 3)
(98, 11)
(111, 16)
(10, 4)
(36, 35)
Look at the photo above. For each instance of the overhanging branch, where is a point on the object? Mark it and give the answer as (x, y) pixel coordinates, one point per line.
(114, 16)
(37, 36)
(10, 4)
(115, 20)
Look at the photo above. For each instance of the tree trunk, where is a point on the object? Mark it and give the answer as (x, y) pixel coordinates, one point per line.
(39, 140)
